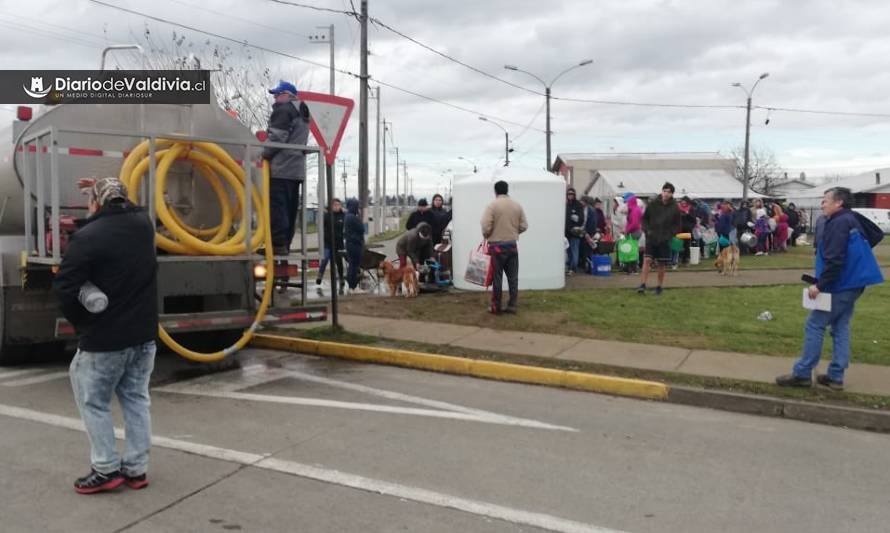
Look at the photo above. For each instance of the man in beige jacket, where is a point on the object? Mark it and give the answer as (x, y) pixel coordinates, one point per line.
(502, 223)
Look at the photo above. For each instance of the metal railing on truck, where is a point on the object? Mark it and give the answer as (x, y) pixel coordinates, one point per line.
(44, 143)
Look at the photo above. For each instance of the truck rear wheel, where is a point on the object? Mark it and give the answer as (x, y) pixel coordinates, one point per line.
(209, 342)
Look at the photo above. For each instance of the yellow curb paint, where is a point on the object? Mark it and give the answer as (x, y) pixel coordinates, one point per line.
(449, 364)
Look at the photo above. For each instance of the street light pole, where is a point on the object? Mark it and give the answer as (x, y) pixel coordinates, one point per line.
(547, 87)
(470, 161)
(747, 144)
(506, 139)
(750, 94)
(547, 96)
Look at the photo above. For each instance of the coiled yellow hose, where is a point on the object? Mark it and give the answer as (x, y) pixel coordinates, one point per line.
(219, 169)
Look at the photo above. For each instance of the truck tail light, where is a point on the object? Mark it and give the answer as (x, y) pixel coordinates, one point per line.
(24, 113)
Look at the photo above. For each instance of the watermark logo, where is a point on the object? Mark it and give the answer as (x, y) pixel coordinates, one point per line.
(37, 90)
(107, 87)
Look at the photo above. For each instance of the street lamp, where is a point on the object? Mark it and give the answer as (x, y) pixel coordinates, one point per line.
(748, 131)
(468, 160)
(507, 149)
(547, 94)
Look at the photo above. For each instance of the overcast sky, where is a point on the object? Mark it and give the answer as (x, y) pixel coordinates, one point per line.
(830, 56)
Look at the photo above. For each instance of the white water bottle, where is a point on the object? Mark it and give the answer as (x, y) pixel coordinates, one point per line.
(92, 298)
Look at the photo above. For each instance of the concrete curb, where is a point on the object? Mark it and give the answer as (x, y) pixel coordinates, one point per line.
(634, 388)
(833, 415)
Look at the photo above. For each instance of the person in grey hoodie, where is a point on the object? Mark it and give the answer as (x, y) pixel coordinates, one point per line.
(289, 124)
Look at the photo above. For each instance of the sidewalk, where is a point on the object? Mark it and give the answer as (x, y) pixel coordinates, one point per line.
(861, 378)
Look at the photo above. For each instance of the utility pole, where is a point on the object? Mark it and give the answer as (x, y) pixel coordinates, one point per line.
(398, 210)
(750, 95)
(363, 115)
(343, 177)
(386, 126)
(329, 39)
(405, 180)
(378, 224)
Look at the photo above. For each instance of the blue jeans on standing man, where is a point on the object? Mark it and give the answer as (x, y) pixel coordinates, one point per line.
(842, 305)
(95, 377)
(574, 253)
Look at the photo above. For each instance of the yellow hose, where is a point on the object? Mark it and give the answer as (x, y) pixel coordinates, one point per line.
(217, 167)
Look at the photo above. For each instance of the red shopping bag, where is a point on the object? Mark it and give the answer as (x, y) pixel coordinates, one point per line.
(479, 268)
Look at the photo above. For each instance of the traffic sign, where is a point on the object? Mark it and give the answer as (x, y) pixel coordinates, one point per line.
(329, 115)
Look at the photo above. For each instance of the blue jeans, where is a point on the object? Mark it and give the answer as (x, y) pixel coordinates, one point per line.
(842, 304)
(284, 205)
(328, 257)
(354, 257)
(574, 254)
(95, 376)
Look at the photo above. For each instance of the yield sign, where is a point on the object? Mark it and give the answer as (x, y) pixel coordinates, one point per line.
(329, 117)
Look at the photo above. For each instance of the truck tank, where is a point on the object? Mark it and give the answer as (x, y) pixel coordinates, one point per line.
(84, 155)
(28, 309)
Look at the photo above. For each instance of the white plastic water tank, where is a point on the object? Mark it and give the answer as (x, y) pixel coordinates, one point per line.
(541, 249)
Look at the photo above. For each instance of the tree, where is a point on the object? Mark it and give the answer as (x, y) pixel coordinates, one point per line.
(764, 172)
(239, 74)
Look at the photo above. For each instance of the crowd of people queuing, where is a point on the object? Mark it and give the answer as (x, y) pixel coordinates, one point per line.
(758, 227)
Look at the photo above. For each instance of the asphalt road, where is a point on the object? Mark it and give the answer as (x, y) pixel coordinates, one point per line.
(296, 443)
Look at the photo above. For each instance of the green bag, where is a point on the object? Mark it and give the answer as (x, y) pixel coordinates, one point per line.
(628, 250)
(676, 245)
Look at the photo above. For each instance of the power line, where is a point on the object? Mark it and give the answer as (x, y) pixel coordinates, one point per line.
(455, 106)
(646, 104)
(315, 8)
(218, 36)
(298, 58)
(453, 59)
(230, 16)
(820, 112)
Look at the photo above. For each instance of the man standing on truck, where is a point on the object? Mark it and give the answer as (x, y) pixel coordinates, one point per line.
(114, 249)
(289, 124)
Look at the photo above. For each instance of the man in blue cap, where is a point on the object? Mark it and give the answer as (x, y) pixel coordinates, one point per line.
(289, 124)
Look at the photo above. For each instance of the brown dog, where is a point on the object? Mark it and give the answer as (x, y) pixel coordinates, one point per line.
(727, 262)
(397, 277)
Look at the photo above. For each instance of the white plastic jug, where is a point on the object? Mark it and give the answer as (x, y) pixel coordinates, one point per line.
(92, 298)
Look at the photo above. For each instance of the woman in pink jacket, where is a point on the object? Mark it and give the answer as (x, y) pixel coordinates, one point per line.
(634, 226)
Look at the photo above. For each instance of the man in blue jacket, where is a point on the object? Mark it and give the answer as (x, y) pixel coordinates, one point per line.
(354, 235)
(845, 265)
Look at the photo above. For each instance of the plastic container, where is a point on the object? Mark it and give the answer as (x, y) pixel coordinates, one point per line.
(541, 252)
(92, 298)
(601, 265)
(694, 255)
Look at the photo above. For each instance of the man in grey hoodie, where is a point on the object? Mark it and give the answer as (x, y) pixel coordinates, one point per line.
(289, 124)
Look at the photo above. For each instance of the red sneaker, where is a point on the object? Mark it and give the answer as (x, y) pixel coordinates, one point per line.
(97, 482)
(136, 482)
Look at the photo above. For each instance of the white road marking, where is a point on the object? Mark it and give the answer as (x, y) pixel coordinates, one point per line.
(230, 381)
(390, 395)
(334, 477)
(37, 379)
(228, 384)
(12, 373)
(391, 409)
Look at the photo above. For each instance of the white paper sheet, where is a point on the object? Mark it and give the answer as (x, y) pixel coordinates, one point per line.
(821, 303)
